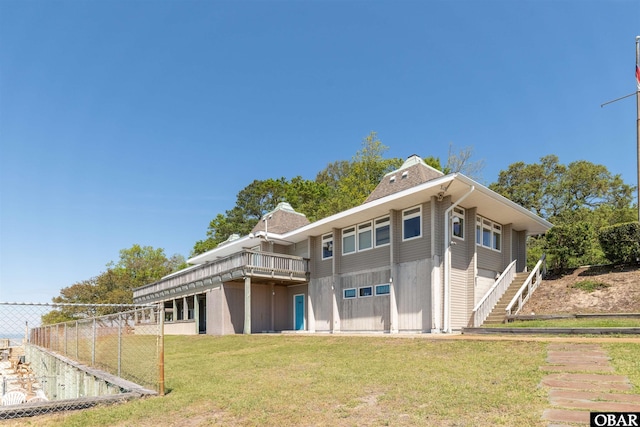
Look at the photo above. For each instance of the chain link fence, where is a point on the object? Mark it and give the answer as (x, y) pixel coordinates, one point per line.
(48, 367)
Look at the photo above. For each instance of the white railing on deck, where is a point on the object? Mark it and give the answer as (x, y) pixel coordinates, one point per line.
(252, 262)
(527, 288)
(491, 298)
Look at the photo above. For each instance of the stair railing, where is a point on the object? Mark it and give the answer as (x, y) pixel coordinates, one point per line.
(522, 296)
(482, 310)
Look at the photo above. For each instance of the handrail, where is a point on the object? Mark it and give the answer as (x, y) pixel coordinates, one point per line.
(527, 288)
(251, 261)
(482, 310)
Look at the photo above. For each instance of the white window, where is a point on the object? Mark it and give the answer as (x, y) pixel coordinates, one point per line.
(382, 231)
(348, 240)
(349, 293)
(488, 234)
(327, 246)
(365, 236)
(497, 237)
(365, 291)
(457, 223)
(411, 223)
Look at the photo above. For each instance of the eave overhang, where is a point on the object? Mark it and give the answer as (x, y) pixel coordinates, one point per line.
(489, 204)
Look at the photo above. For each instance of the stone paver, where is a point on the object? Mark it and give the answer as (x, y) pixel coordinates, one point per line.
(577, 367)
(565, 416)
(582, 382)
(593, 395)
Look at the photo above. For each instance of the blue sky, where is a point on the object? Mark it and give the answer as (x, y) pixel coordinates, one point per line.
(126, 122)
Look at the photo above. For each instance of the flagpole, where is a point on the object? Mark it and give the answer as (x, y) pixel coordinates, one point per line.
(638, 117)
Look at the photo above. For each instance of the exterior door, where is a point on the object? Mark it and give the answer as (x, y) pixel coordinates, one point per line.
(298, 312)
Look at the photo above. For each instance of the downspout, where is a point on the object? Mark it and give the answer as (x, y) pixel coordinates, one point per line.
(447, 261)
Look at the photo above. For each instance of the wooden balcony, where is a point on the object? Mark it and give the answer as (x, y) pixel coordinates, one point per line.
(262, 267)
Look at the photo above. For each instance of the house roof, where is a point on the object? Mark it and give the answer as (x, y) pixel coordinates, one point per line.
(281, 220)
(489, 203)
(414, 171)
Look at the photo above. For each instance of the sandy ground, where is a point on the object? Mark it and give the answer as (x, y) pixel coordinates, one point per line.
(558, 294)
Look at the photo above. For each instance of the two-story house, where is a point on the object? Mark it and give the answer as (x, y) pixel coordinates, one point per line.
(419, 255)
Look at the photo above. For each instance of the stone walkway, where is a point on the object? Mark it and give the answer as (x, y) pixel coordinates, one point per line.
(581, 380)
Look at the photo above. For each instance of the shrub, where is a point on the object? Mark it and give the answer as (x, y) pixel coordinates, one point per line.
(590, 285)
(570, 241)
(621, 242)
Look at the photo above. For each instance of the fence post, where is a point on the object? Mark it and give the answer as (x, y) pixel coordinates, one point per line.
(161, 349)
(66, 341)
(77, 339)
(93, 344)
(119, 343)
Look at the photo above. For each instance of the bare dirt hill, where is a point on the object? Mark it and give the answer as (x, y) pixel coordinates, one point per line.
(617, 291)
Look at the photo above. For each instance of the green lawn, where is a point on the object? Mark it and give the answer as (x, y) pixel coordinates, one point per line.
(290, 380)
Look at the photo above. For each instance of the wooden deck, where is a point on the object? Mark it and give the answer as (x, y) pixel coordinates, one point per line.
(260, 266)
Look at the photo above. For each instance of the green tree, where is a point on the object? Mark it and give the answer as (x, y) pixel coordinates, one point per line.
(554, 191)
(434, 162)
(578, 198)
(141, 265)
(352, 182)
(308, 197)
(569, 242)
(621, 242)
(137, 266)
(340, 186)
(252, 202)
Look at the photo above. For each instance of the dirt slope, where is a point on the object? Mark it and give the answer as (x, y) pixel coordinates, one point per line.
(559, 294)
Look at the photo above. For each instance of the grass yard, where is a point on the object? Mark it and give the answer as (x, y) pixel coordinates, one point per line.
(335, 381)
(291, 380)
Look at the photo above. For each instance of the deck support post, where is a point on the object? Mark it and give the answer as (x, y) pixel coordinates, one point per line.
(247, 305)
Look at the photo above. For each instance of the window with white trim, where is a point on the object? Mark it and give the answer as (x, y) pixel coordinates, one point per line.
(349, 293)
(497, 237)
(457, 223)
(366, 291)
(348, 240)
(382, 231)
(412, 223)
(488, 234)
(384, 289)
(327, 246)
(365, 236)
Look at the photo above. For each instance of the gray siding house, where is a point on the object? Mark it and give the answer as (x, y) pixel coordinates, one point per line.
(421, 254)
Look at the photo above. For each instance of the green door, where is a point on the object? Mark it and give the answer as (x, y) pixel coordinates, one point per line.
(298, 312)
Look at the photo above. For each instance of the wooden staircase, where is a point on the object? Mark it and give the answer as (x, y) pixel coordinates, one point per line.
(498, 313)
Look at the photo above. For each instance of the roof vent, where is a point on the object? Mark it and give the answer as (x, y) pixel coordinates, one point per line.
(392, 179)
(404, 174)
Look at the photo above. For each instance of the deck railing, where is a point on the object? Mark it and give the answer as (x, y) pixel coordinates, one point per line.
(527, 288)
(482, 310)
(247, 262)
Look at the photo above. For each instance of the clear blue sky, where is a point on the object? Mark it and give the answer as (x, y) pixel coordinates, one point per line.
(127, 122)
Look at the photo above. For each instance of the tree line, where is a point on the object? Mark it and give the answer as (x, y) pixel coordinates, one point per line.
(580, 199)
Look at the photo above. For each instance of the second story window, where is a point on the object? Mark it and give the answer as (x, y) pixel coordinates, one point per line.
(382, 231)
(497, 236)
(488, 234)
(327, 246)
(364, 236)
(457, 223)
(348, 240)
(411, 223)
